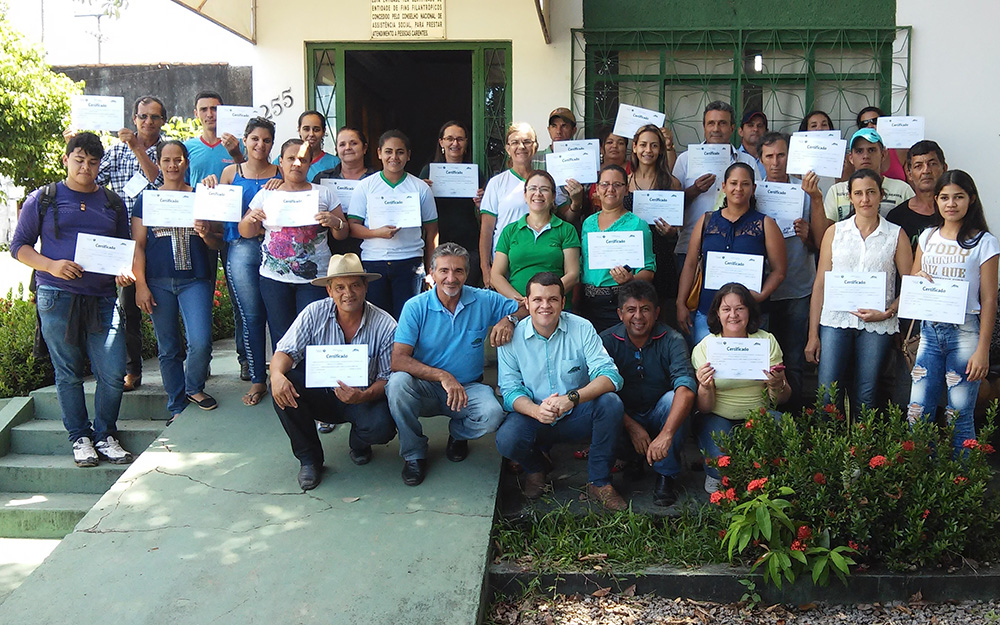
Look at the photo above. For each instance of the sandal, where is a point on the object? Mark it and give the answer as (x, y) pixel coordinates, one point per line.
(252, 398)
(206, 403)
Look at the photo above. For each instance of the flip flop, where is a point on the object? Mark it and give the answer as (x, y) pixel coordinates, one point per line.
(253, 397)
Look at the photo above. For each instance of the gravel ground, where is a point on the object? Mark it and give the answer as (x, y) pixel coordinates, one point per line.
(623, 609)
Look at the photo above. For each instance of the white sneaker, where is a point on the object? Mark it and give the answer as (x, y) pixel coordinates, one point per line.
(711, 484)
(112, 451)
(83, 452)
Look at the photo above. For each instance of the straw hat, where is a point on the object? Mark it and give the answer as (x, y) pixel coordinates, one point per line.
(344, 266)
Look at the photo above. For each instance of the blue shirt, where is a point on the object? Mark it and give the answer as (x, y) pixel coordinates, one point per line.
(452, 342)
(206, 159)
(535, 367)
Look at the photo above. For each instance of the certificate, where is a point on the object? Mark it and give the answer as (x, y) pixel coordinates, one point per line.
(632, 118)
(223, 203)
(942, 300)
(284, 209)
(401, 210)
(665, 205)
(823, 156)
(849, 291)
(233, 119)
(819, 134)
(738, 359)
(343, 188)
(97, 112)
(107, 255)
(135, 185)
(709, 158)
(781, 202)
(591, 146)
(328, 364)
(900, 132)
(454, 179)
(576, 165)
(167, 209)
(615, 249)
(725, 267)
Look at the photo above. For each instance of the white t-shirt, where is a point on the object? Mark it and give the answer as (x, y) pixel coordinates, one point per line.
(504, 199)
(945, 258)
(296, 254)
(408, 242)
(837, 202)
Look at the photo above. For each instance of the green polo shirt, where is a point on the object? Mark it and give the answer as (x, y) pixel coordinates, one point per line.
(625, 223)
(530, 252)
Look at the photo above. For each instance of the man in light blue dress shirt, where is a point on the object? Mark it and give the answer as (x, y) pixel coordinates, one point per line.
(559, 383)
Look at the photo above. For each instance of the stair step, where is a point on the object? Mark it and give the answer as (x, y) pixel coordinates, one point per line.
(42, 515)
(30, 473)
(147, 402)
(48, 437)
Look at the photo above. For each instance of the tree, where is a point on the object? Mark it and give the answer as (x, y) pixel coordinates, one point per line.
(111, 8)
(34, 110)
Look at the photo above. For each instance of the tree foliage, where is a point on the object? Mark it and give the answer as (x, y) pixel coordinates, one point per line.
(34, 110)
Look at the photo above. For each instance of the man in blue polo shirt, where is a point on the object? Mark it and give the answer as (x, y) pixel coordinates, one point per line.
(437, 361)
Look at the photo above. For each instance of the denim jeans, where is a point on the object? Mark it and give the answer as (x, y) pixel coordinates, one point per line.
(283, 302)
(241, 350)
(132, 317)
(243, 270)
(653, 420)
(411, 398)
(106, 351)
(791, 328)
(838, 346)
(709, 423)
(599, 421)
(944, 352)
(401, 280)
(191, 299)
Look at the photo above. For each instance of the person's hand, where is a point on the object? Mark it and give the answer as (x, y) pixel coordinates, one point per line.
(639, 437)
(757, 296)
(812, 350)
(348, 394)
(556, 405)
(144, 298)
(127, 137)
(486, 269)
(283, 391)
(255, 216)
(210, 181)
(385, 232)
(575, 192)
(202, 228)
(706, 375)
(125, 278)
(502, 333)
(273, 184)
(979, 365)
(870, 315)
(478, 199)
(230, 142)
(328, 220)
(65, 270)
(775, 379)
(923, 274)
(704, 182)
(663, 228)
(684, 317)
(68, 134)
(810, 183)
(620, 274)
(659, 448)
(545, 412)
(802, 229)
(430, 183)
(668, 139)
(457, 399)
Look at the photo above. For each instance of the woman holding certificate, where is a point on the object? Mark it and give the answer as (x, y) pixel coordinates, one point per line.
(951, 356)
(723, 401)
(312, 130)
(243, 258)
(295, 220)
(734, 240)
(857, 253)
(395, 217)
(175, 275)
(537, 242)
(606, 244)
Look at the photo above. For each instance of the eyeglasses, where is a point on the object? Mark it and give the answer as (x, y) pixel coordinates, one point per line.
(145, 116)
(537, 189)
(638, 365)
(870, 122)
(615, 185)
(525, 142)
(454, 139)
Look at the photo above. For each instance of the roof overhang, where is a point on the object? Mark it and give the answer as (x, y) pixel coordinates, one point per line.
(236, 16)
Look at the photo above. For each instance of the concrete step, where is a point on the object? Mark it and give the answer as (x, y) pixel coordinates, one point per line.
(146, 402)
(48, 515)
(30, 473)
(48, 437)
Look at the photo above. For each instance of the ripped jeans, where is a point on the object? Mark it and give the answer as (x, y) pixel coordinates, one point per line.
(944, 353)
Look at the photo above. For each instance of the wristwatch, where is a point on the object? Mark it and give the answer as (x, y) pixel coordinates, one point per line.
(574, 397)
(512, 319)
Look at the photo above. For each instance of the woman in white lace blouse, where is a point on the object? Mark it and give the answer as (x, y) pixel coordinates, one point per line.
(864, 242)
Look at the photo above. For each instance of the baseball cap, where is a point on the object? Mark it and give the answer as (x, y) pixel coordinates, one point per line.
(564, 113)
(751, 114)
(868, 134)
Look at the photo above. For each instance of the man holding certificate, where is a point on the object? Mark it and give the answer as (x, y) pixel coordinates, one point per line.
(77, 309)
(308, 389)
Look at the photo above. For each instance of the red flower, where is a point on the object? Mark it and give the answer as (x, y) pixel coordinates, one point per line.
(907, 445)
(877, 461)
(725, 480)
(798, 546)
(756, 484)
(987, 448)
(924, 515)
(723, 461)
(853, 451)
(777, 461)
(819, 478)
(804, 532)
(722, 533)
(830, 408)
(218, 293)
(731, 494)
(716, 498)
(749, 424)
(756, 464)
(970, 443)
(853, 545)
(960, 479)
(763, 411)
(216, 303)
(810, 411)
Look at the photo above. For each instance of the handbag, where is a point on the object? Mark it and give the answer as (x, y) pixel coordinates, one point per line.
(910, 345)
(694, 296)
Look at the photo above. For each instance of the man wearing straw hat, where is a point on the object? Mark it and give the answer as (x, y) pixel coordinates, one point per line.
(345, 318)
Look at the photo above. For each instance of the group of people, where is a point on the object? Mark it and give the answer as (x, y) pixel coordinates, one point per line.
(611, 372)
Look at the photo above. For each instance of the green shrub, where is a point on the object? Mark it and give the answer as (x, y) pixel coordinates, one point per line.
(19, 373)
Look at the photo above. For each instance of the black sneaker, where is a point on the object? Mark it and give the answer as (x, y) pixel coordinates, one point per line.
(665, 492)
(361, 456)
(245, 371)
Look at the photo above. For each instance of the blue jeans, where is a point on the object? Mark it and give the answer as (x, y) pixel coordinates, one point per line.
(653, 420)
(838, 346)
(192, 300)
(283, 302)
(243, 270)
(401, 280)
(105, 348)
(599, 421)
(411, 398)
(791, 328)
(241, 350)
(944, 352)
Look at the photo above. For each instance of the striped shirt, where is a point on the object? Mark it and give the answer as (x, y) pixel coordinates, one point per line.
(317, 325)
(118, 166)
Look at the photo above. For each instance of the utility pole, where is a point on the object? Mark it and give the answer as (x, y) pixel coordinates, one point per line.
(99, 36)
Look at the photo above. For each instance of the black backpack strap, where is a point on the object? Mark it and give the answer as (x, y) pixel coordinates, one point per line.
(114, 201)
(47, 200)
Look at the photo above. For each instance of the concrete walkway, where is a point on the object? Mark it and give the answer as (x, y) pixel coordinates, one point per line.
(209, 526)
